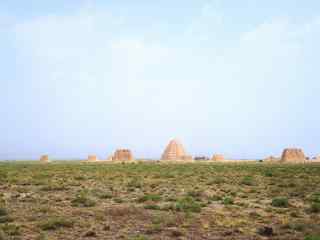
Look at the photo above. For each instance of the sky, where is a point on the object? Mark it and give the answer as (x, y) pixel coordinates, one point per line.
(239, 78)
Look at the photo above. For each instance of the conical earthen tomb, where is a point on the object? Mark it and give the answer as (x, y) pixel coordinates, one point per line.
(175, 152)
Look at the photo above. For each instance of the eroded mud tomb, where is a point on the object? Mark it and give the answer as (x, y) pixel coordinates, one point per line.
(293, 155)
(175, 152)
(123, 155)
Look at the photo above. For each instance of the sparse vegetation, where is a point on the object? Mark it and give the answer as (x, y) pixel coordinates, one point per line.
(315, 207)
(150, 197)
(312, 238)
(56, 223)
(187, 204)
(280, 202)
(10, 229)
(3, 211)
(227, 201)
(83, 200)
(248, 180)
(158, 201)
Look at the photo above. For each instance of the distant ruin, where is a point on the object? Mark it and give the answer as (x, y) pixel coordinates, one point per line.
(293, 155)
(175, 152)
(44, 159)
(217, 158)
(122, 155)
(92, 158)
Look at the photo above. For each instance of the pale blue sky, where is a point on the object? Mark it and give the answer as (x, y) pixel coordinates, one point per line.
(239, 78)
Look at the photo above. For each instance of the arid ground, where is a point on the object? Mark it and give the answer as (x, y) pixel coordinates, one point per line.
(159, 201)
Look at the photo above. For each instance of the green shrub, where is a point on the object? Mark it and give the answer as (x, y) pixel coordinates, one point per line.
(149, 197)
(187, 204)
(268, 174)
(315, 197)
(105, 195)
(280, 202)
(227, 201)
(56, 223)
(82, 200)
(4, 218)
(3, 211)
(312, 238)
(315, 207)
(152, 207)
(248, 180)
(118, 200)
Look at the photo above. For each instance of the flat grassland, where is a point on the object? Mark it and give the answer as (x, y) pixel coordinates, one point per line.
(159, 201)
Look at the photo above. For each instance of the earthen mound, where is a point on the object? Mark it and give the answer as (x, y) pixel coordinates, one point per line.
(175, 152)
(44, 159)
(217, 158)
(293, 155)
(123, 155)
(92, 158)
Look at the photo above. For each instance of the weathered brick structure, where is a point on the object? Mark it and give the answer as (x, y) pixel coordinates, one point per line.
(123, 155)
(175, 152)
(293, 155)
(44, 159)
(92, 158)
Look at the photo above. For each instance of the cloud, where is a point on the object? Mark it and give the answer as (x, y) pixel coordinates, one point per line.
(89, 64)
(208, 23)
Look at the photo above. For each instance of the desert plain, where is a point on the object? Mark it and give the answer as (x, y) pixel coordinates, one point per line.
(142, 201)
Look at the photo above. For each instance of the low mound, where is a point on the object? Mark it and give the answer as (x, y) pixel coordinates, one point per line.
(217, 158)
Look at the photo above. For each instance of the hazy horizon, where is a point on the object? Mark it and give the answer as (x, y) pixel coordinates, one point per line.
(88, 77)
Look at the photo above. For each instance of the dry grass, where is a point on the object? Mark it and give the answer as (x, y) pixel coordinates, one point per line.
(159, 201)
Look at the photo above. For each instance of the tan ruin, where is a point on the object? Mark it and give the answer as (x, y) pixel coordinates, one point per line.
(92, 158)
(293, 155)
(176, 152)
(44, 159)
(217, 158)
(122, 155)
